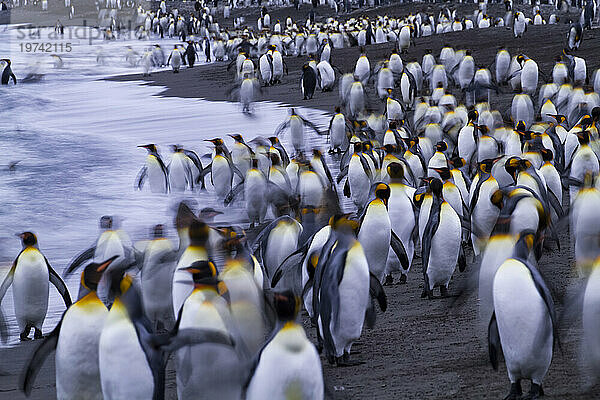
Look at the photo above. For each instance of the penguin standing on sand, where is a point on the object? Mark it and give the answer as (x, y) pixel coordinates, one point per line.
(75, 339)
(155, 170)
(376, 235)
(175, 59)
(342, 286)
(207, 309)
(523, 324)
(309, 81)
(402, 216)
(440, 243)
(7, 73)
(190, 53)
(288, 365)
(29, 275)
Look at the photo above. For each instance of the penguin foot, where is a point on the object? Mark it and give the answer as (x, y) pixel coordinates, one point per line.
(535, 392)
(427, 293)
(38, 334)
(389, 280)
(403, 278)
(25, 334)
(444, 291)
(515, 391)
(344, 361)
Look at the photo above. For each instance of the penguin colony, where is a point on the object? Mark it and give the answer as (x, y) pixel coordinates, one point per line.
(440, 171)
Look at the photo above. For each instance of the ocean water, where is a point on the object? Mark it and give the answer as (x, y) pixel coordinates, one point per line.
(76, 136)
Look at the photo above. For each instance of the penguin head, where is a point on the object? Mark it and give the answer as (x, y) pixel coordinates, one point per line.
(457, 162)
(559, 118)
(389, 148)
(198, 233)
(497, 199)
(486, 165)
(215, 141)
(583, 137)
(150, 147)
(444, 172)
(92, 273)
(382, 192)
(547, 155)
(337, 109)
(158, 231)
(287, 305)
(202, 270)
(521, 59)
(435, 185)
(395, 171)
(317, 154)
(441, 146)
(341, 221)
(176, 148)
(208, 213)
(275, 160)
(473, 115)
(520, 127)
(28, 239)
(586, 122)
(525, 244)
(512, 167)
(106, 222)
(237, 137)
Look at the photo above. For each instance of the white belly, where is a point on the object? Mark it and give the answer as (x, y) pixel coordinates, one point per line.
(374, 236)
(77, 363)
(124, 371)
(523, 323)
(445, 247)
(30, 289)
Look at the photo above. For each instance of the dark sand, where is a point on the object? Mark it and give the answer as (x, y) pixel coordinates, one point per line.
(419, 349)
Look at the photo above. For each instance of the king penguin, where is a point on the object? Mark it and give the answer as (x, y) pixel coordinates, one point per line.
(288, 365)
(524, 323)
(403, 220)
(75, 339)
(440, 243)
(155, 170)
(207, 309)
(308, 81)
(29, 275)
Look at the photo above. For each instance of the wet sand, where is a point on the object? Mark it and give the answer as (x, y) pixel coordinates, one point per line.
(419, 349)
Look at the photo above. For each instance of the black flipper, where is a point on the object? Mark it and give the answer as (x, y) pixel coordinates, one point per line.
(193, 336)
(57, 281)
(8, 280)
(462, 259)
(139, 182)
(234, 192)
(399, 250)
(38, 357)
(376, 291)
(83, 257)
(494, 345)
(430, 229)
(347, 189)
